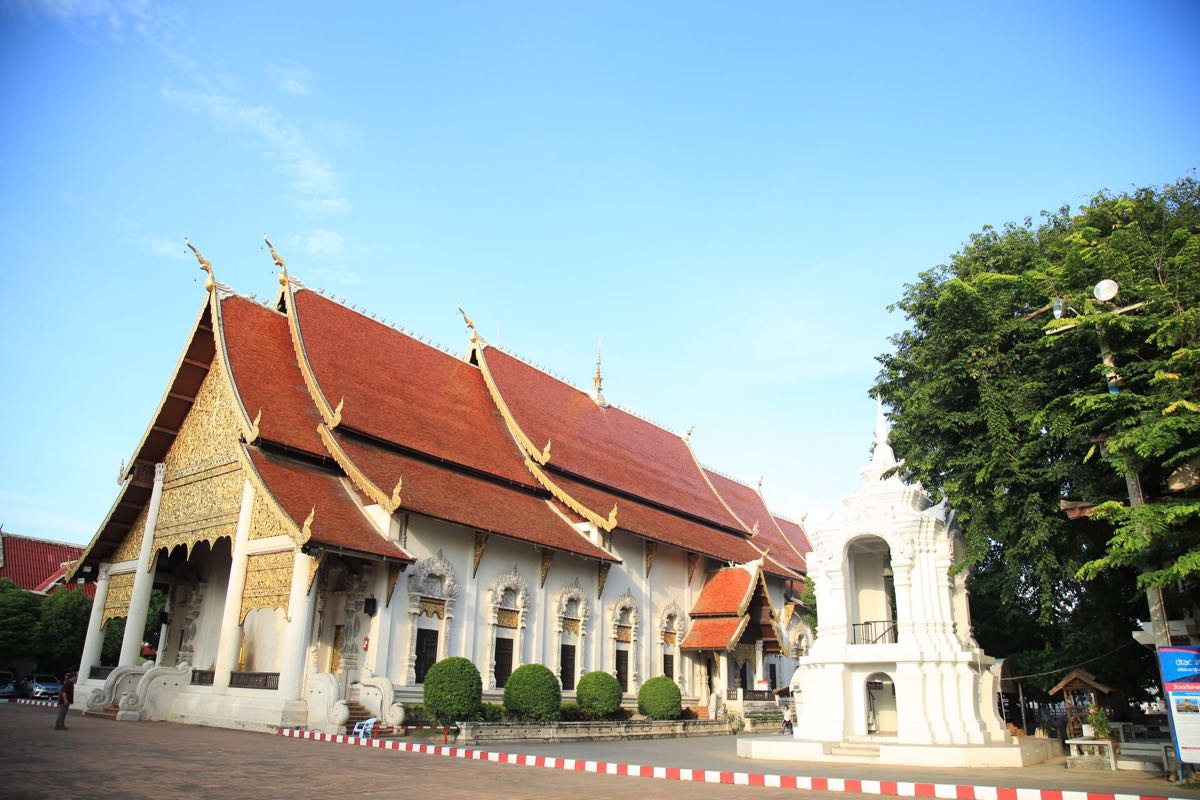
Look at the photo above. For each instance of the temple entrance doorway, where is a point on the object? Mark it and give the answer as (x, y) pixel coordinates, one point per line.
(881, 705)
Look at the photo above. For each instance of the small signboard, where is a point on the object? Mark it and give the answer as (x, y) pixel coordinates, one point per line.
(762, 686)
(1181, 682)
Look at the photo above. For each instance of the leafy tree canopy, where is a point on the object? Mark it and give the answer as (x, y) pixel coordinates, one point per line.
(1008, 421)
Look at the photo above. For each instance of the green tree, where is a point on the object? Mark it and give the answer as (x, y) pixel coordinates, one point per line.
(114, 629)
(18, 623)
(62, 628)
(1009, 422)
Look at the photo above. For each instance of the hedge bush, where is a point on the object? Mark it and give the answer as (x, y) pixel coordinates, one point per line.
(415, 714)
(532, 692)
(659, 698)
(573, 712)
(453, 691)
(599, 693)
(491, 712)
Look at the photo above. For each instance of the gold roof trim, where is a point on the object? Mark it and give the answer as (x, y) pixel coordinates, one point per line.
(249, 430)
(478, 345)
(332, 417)
(300, 536)
(357, 476)
(687, 442)
(570, 502)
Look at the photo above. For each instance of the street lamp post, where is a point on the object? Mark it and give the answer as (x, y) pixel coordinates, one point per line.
(1105, 291)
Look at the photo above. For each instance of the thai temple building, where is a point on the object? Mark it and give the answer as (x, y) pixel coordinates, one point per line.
(331, 506)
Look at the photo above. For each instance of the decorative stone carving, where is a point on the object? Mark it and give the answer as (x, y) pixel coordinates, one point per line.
(602, 577)
(433, 579)
(480, 545)
(626, 633)
(572, 611)
(327, 711)
(512, 616)
(651, 553)
(693, 560)
(156, 688)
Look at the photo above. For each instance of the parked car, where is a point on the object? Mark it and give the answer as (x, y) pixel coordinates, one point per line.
(8, 684)
(40, 687)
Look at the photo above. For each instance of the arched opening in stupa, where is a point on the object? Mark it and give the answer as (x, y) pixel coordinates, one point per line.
(871, 591)
(881, 704)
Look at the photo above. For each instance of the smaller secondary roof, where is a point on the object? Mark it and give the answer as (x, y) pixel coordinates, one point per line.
(31, 563)
(714, 633)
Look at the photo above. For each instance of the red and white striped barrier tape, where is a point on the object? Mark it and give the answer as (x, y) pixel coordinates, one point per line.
(27, 702)
(944, 791)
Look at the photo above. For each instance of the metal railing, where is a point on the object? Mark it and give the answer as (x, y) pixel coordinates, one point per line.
(202, 677)
(99, 673)
(758, 695)
(880, 631)
(254, 680)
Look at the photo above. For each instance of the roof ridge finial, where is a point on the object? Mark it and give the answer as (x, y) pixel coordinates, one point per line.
(283, 275)
(211, 281)
(598, 377)
(470, 325)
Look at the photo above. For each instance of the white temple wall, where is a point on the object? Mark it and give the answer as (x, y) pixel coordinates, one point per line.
(264, 639)
(499, 558)
(214, 572)
(668, 584)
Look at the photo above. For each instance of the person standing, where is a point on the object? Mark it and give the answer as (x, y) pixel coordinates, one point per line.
(66, 698)
(787, 719)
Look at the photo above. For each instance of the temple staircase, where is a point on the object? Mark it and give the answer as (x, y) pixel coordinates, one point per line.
(107, 712)
(701, 712)
(859, 748)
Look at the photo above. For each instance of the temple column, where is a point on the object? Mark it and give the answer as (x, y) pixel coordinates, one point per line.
(758, 663)
(95, 630)
(295, 636)
(231, 639)
(143, 581)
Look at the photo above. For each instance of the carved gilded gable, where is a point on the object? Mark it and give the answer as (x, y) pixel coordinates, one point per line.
(202, 492)
(264, 521)
(132, 543)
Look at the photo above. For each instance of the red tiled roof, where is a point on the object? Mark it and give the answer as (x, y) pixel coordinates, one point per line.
(30, 562)
(750, 509)
(728, 592)
(714, 633)
(659, 525)
(606, 445)
(267, 377)
(795, 536)
(402, 391)
(454, 496)
(56, 583)
(338, 522)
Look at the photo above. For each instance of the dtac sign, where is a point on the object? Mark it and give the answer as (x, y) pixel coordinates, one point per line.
(1181, 685)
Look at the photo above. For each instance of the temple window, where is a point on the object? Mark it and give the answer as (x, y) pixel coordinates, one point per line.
(572, 614)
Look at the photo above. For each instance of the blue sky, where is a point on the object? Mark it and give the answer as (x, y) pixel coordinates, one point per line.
(729, 194)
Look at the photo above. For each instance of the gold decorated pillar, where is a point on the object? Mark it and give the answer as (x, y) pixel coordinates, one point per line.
(143, 581)
(231, 638)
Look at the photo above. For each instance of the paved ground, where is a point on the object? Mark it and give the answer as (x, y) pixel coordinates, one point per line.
(720, 753)
(101, 759)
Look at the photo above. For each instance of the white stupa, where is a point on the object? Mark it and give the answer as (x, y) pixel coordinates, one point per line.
(893, 675)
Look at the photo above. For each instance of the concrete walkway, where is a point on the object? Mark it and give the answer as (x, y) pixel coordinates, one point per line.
(720, 753)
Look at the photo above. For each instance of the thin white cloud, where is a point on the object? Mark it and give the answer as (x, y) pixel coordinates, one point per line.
(116, 16)
(322, 242)
(313, 180)
(291, 78)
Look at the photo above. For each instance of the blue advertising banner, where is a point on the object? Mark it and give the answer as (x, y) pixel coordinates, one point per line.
(1181, 681)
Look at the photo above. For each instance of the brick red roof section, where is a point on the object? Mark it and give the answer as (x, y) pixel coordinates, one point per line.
(750, 509)
(263, 362)
(48, 585)
(451, 495)
(29, 562)
(795, 536)
(338, 522)
(659, 525)
(713, 633)
(403, 391)
(726, 593)
(606, 445)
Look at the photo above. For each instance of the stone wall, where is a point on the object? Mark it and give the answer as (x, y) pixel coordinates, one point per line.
(471, 733)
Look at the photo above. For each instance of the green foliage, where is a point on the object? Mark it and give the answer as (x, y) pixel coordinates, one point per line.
(19, 611)
(532, 692)
(491, 712)
(1007, 422)
(415, 714)
(599, 693)
(114, 629)
(573, 712)
(62, 629)
(659, 698)
(1099, 722)
(453, 691)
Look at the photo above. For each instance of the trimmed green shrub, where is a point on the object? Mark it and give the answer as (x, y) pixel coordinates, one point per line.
(532, 692)
(659, 698)
(491, 712)
(599, 693)
(573, 712)
(453, 691)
